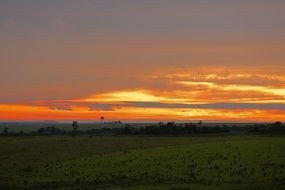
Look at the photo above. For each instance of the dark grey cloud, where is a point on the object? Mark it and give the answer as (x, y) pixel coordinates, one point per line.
(209, 106)
(190, 106)
(67, 105)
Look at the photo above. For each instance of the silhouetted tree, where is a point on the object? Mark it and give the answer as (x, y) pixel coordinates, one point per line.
(50, 131)
(170, 124)
(127, 129)
(74, 126)
(5, 130)
(277, 124)
(102, 119)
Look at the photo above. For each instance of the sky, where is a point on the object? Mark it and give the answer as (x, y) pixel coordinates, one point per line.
(150, 60)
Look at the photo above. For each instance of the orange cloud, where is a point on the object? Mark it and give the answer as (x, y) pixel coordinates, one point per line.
(211, 95)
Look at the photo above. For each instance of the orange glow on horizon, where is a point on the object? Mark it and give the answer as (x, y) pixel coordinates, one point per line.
(24, 112)
(155, 104)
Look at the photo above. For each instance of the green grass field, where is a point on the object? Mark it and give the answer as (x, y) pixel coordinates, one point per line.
(128, 162)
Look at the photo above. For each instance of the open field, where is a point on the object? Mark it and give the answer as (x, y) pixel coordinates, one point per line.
(128, 162)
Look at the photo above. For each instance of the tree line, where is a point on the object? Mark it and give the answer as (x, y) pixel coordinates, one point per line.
(169, 128)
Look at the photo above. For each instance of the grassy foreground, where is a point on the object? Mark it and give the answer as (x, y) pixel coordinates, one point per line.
(205, 162)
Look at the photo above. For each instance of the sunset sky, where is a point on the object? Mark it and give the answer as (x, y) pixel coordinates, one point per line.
(142, 60)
